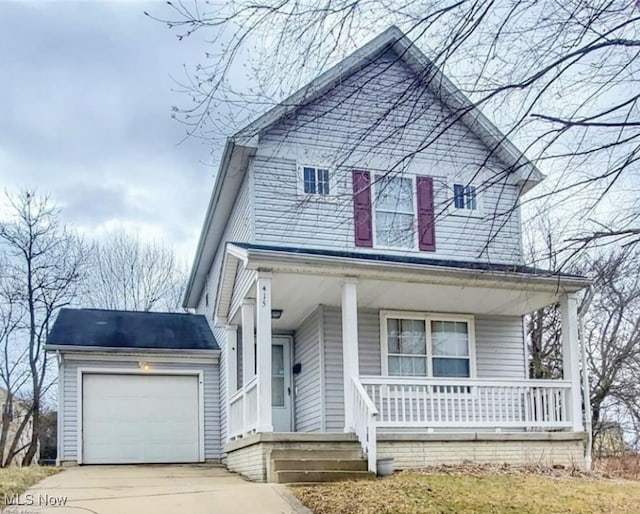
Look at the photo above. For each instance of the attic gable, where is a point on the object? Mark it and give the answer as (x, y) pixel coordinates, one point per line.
(382, 117)
(424, 71)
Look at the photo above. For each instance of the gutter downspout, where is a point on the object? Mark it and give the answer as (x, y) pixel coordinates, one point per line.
(586, 389)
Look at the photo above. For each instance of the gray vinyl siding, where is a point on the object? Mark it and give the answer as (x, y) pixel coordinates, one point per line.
(238, 229)
(499, 353)
(369, 342)
(333, 369)
(211, 392)
(325, 132)
(308, 390)
(500, 347)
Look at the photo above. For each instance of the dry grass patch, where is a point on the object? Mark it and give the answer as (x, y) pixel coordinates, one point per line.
(15, 480)
(480, 491)
(620, 466)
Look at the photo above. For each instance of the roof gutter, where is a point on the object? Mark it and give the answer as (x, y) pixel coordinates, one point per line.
(61, 348)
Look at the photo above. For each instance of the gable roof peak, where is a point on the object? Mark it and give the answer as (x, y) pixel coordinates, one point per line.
(393, 38)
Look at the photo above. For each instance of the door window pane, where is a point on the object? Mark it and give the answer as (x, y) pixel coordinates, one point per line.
(277, 360)
(277, 391)
(277, 378)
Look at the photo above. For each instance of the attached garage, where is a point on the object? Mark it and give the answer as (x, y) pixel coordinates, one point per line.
(140, 418)
(136, 387)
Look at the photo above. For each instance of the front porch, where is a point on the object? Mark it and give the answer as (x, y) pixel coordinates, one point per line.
(453, 382)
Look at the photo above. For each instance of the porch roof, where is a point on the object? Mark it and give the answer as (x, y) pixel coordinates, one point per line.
(305, 277)
(257, 249)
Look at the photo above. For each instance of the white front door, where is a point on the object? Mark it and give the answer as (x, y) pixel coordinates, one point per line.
(281, 383)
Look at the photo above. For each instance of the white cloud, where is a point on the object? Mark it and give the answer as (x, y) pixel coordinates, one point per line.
(87, 94)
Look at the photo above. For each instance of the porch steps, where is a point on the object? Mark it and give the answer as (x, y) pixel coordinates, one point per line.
(318, 465)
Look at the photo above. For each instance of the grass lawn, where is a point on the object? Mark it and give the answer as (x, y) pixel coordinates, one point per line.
(478, 493)
(14, 480)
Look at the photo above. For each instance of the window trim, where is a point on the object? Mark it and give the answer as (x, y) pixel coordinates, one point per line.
(300, 166)
(478, 212)
(428, 317)
(414, 198)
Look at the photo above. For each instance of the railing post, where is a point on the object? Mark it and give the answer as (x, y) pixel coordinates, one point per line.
(263, 368)
(570, 357)
(231, 356)
(349, 347)
(372, 446)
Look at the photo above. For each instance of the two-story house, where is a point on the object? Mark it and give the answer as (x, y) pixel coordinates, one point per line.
(361, 270)
(361, 266)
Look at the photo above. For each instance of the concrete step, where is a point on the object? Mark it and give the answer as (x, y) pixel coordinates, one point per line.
(315, 453)
(319, 464)
(300, 475)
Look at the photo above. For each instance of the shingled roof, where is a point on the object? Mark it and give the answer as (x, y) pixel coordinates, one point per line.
(127, 329)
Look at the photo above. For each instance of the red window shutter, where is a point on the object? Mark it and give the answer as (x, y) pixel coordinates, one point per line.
(362, 208)
(426, 214)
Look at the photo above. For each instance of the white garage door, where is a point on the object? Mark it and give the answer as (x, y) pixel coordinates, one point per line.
(140, 418)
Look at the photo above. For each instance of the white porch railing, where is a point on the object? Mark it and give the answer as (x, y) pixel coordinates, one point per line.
(469, 403)
(243, 410)
(364, 421)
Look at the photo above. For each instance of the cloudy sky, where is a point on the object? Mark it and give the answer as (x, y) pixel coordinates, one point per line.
(86, 92)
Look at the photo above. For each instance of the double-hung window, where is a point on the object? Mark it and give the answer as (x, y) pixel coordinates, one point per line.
(394, 212)
(465, 197)
(315, 181)
(427, 345)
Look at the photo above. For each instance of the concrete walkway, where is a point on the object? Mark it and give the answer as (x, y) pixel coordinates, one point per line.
(178, 489)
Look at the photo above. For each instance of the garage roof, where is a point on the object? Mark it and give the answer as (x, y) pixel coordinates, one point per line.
(127, 329)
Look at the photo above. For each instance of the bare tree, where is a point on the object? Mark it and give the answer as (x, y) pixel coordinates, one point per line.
(14, 374)
(612, 338)
(558, 76)
(43, 269)
(129, 274)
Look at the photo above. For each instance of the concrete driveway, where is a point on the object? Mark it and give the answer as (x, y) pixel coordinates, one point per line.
(177, 489)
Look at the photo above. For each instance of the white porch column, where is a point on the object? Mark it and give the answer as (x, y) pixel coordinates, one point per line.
(248, 316)
(571, 357)
(231, 358)
(349, 345)
(263, 368)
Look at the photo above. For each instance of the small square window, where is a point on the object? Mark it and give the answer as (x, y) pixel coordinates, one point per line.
(315, 181)
(465, 197)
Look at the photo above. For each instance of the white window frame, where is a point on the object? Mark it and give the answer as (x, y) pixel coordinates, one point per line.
(316, 196)
(478, 212)
(428, 317)
(414, 197)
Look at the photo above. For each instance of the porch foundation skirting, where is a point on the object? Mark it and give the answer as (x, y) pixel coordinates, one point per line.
(411, 451)
(251, 455)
